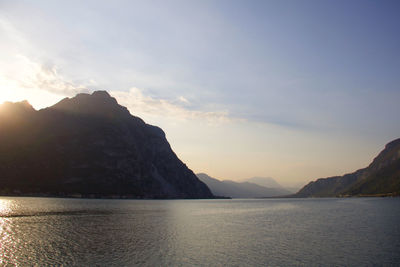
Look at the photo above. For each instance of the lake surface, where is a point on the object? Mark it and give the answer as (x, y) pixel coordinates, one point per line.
(273, 232)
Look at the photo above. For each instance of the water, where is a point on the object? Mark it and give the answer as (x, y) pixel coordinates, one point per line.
(273, 232)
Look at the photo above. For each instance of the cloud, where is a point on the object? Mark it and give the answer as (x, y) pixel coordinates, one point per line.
(183, 100)
(20, 71)
(32, 75)
(139, 103)
(29, 75)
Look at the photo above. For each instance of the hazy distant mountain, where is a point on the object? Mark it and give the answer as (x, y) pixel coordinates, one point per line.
(89, 145)
(381, 177)
(264, 181)
(239, 189)
(295, 187)
(269, 183)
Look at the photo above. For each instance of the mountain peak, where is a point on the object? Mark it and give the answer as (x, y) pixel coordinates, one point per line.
(103, 94)
(89, 146)
(16, 109)
(22, 104)
(99, 96)
(99, 103)
(392, 143)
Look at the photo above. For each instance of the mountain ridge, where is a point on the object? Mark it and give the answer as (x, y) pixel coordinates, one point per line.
(380, 177)
(268, 182)
(228, 188)
(89, 146)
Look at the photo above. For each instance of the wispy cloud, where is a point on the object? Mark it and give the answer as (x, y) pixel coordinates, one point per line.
(183, 100)
(32, 75)
(21, 71)
(140, 103)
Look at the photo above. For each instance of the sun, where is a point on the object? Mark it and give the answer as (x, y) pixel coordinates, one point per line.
(38, 98)
(8, 92)
(11, 92)
(23, 79)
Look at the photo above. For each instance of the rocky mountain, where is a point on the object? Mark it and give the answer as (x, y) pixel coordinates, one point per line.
(89, 146)
(381, 177)
(233, 189)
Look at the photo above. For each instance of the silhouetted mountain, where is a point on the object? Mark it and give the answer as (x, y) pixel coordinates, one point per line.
(91, 146)
(233, 189)
(381, 177)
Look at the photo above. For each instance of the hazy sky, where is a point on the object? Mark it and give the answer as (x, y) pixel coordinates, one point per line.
(294, 90)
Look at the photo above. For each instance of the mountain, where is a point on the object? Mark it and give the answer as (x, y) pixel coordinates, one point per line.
(233, 189)
(381, 177)
(264, 181)
(89, 146)
(269, 183)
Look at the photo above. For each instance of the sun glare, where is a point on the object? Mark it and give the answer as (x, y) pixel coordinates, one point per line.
(7, 96)
(9, 91)
(5, 207)
(24, 79)
(38, 98)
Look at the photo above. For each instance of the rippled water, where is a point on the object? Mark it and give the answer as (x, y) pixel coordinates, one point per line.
(273, 232)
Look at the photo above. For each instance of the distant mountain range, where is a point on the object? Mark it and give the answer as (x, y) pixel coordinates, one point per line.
(246, 189)
(89, 146)
(271, 183)
(380, 178)
(264, 181)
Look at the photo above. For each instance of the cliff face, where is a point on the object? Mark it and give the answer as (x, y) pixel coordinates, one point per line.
(90, 146)
(381, 177)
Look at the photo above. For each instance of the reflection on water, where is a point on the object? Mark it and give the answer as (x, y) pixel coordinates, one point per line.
(8, 244)
(5, 206)
(46, 231)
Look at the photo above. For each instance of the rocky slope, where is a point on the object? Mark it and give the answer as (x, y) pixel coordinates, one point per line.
(381, 177)
(89, 146)
(233, 189)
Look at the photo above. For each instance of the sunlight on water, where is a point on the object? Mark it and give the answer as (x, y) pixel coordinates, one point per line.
(8, 244)
(270, 232)
(5, 207)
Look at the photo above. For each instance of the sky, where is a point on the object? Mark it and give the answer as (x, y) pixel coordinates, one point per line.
(294, 90)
